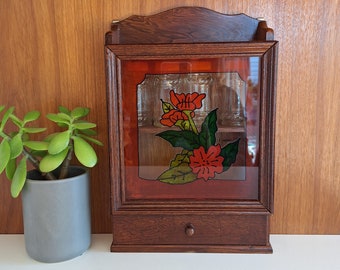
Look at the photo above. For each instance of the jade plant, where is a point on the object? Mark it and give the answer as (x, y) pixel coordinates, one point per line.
(54, 151)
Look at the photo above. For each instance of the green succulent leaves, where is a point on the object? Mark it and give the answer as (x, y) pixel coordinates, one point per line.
(36, 145)
(59, 142)
(84, 152)
(31, 116)
(56, 150)
(13, 159)
(74, 139)
(19, 178)
(50, 162)
(79, 112)
(16, 146)
(13, 155)
(5, 154)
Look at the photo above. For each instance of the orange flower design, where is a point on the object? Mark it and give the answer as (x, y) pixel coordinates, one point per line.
(186, 102)
(206, 164)
(170, 118)
(182, 107)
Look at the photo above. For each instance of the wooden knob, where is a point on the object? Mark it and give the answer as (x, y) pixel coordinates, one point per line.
(189, 229)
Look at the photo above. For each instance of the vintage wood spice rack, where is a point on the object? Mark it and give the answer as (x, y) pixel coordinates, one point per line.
(191, 104)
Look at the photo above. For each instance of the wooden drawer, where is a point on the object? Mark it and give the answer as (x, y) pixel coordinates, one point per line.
(190, 232)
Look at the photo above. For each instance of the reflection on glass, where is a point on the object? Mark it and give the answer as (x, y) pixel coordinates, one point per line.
(253, 110)
(201, 83)
(230, 98)
(145, 101)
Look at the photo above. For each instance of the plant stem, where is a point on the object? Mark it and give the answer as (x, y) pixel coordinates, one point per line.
(35, 163)
(66, 163)
(191, 121)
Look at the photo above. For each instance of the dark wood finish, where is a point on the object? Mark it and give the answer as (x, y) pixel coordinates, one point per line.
(201, 26)
(233, 224)
(191, 232)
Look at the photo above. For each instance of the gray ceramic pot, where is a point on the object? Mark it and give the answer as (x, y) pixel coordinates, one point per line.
(57, 218)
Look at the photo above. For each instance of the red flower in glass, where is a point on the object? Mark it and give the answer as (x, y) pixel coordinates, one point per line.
(170, 118)
(186, 102)
(206, 164)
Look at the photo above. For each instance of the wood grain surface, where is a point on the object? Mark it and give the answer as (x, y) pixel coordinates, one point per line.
(52, 53)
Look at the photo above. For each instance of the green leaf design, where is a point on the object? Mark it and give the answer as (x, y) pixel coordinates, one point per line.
(5, 154)
(31, 116)
(59, 142)
(36, 145)
(85, 125)
(19, 178)
(229, 153)
(185, 139)
(16, 146)
(208, 130)
(10, 168)
(51, 162)
(84, 152)
(181, 158)
(183, 124)
(178, 175)
(79, 112)
(166, 106)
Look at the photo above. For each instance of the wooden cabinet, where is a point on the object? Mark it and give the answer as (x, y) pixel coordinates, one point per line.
(191, 100)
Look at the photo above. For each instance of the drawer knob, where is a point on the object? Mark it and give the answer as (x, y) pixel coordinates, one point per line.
(189, 229)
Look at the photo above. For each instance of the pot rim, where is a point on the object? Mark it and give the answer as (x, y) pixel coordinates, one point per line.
(84, 171)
